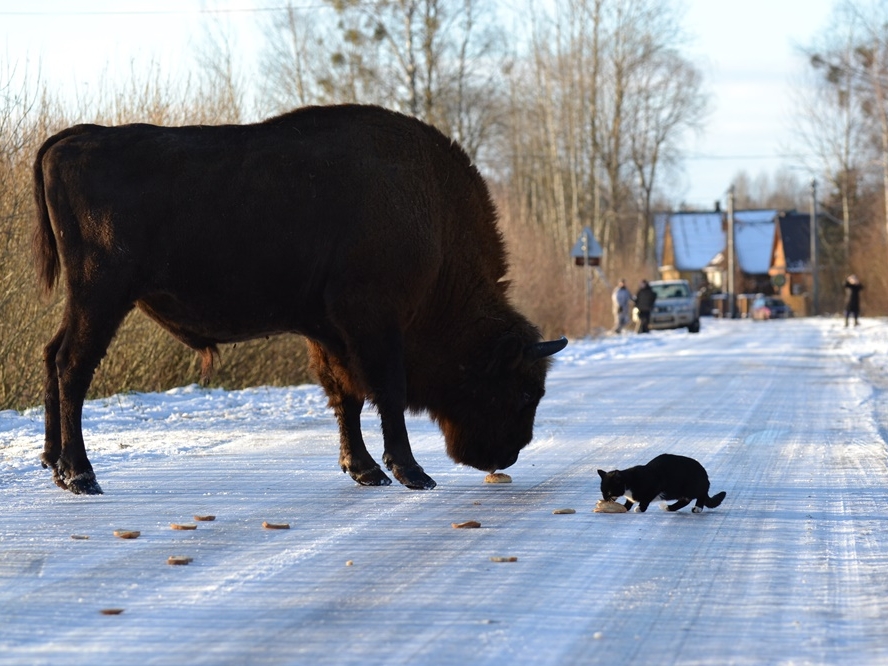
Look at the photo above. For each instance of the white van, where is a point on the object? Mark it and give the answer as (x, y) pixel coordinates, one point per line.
(676, 306)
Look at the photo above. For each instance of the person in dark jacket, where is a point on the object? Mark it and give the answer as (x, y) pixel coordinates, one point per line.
(644, 301)
(853, 287)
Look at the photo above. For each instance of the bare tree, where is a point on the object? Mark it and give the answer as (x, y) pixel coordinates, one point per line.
(221, 85)
(438, 60)
(607, 97)
(834, 124)
(782, 191)
(852, 96)
(666, 103)
(290, 60)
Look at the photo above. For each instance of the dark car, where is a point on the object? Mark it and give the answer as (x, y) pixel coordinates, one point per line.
(770, 307)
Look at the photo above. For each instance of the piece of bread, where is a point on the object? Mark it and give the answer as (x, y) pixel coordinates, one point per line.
(179, 559)
(498, 477)
(468, 524)
(127, 534)
(609, 507)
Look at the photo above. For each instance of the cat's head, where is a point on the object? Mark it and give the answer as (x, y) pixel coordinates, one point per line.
(612, 485)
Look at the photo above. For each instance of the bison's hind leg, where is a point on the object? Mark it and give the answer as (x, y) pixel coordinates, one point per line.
(52, 447)
(84, 482)
(91, 321)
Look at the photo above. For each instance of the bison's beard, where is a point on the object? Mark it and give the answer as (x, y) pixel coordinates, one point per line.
(484, 446)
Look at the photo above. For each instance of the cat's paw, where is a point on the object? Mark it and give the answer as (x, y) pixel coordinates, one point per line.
(664, 506)
(697, 509)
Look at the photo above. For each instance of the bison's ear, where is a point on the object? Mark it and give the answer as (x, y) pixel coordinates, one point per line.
(506, 354)
(543, 349)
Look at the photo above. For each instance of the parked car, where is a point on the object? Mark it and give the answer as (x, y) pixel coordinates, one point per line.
(677, 306)
(770, 307)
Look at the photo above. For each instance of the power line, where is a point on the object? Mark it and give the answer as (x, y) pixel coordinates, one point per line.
(165, 12)
(770, 156)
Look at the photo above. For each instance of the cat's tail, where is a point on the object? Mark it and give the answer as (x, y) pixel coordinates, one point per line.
(715, 500)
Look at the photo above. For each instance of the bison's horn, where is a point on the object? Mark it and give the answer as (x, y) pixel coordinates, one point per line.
(547, 348)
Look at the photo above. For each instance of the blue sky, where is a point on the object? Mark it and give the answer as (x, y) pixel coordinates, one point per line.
(749, 54)
(747, 51)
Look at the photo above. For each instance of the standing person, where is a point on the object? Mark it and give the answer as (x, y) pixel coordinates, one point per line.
(621, 297)
(644, 301)
(852, 302)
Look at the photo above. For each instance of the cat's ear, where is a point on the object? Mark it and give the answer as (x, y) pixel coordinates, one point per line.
(602, 473)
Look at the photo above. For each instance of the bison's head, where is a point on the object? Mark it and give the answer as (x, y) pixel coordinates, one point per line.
(491, 419)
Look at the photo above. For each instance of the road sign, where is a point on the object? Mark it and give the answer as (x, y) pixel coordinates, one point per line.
(587, 250)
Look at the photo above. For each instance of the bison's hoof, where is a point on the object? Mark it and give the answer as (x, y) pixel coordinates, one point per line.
(371, 477)
(80, 484)
(85, 486)
(413, 477)
(49, 462)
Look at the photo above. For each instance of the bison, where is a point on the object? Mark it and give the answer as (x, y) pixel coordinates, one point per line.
(367, 232)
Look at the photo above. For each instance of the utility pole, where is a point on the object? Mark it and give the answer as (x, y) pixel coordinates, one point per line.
(814, 294)
(585, 241)
(731, 252)
(587, 252)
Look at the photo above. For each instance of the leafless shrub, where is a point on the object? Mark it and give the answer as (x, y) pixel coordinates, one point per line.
(142, 357)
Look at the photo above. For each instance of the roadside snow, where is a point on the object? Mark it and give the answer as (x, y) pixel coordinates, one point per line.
(788, 417)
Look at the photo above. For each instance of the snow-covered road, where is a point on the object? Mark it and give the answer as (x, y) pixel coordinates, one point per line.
(788, 417)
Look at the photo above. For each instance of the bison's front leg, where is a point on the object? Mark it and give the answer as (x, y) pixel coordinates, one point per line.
(410, 474)
(353, 455)
(398, 457)
(335, 377)
(388, 383)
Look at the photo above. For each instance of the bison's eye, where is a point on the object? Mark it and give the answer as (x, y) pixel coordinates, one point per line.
(526, 399)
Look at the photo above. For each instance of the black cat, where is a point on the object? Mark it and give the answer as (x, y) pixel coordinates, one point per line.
(666, 477)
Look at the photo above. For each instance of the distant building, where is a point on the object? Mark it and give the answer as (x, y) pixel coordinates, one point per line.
(790, 268)
(772, 253)
(686, 244)
(693, 246)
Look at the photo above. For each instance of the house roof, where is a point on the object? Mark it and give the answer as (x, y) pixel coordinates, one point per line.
(696, 238)
(795, 231)
(754, 239)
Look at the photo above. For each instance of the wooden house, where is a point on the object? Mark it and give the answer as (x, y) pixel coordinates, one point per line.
(687, 243)
(790, 269)
(693, 246)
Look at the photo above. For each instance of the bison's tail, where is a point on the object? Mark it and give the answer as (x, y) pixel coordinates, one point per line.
(46, 251)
